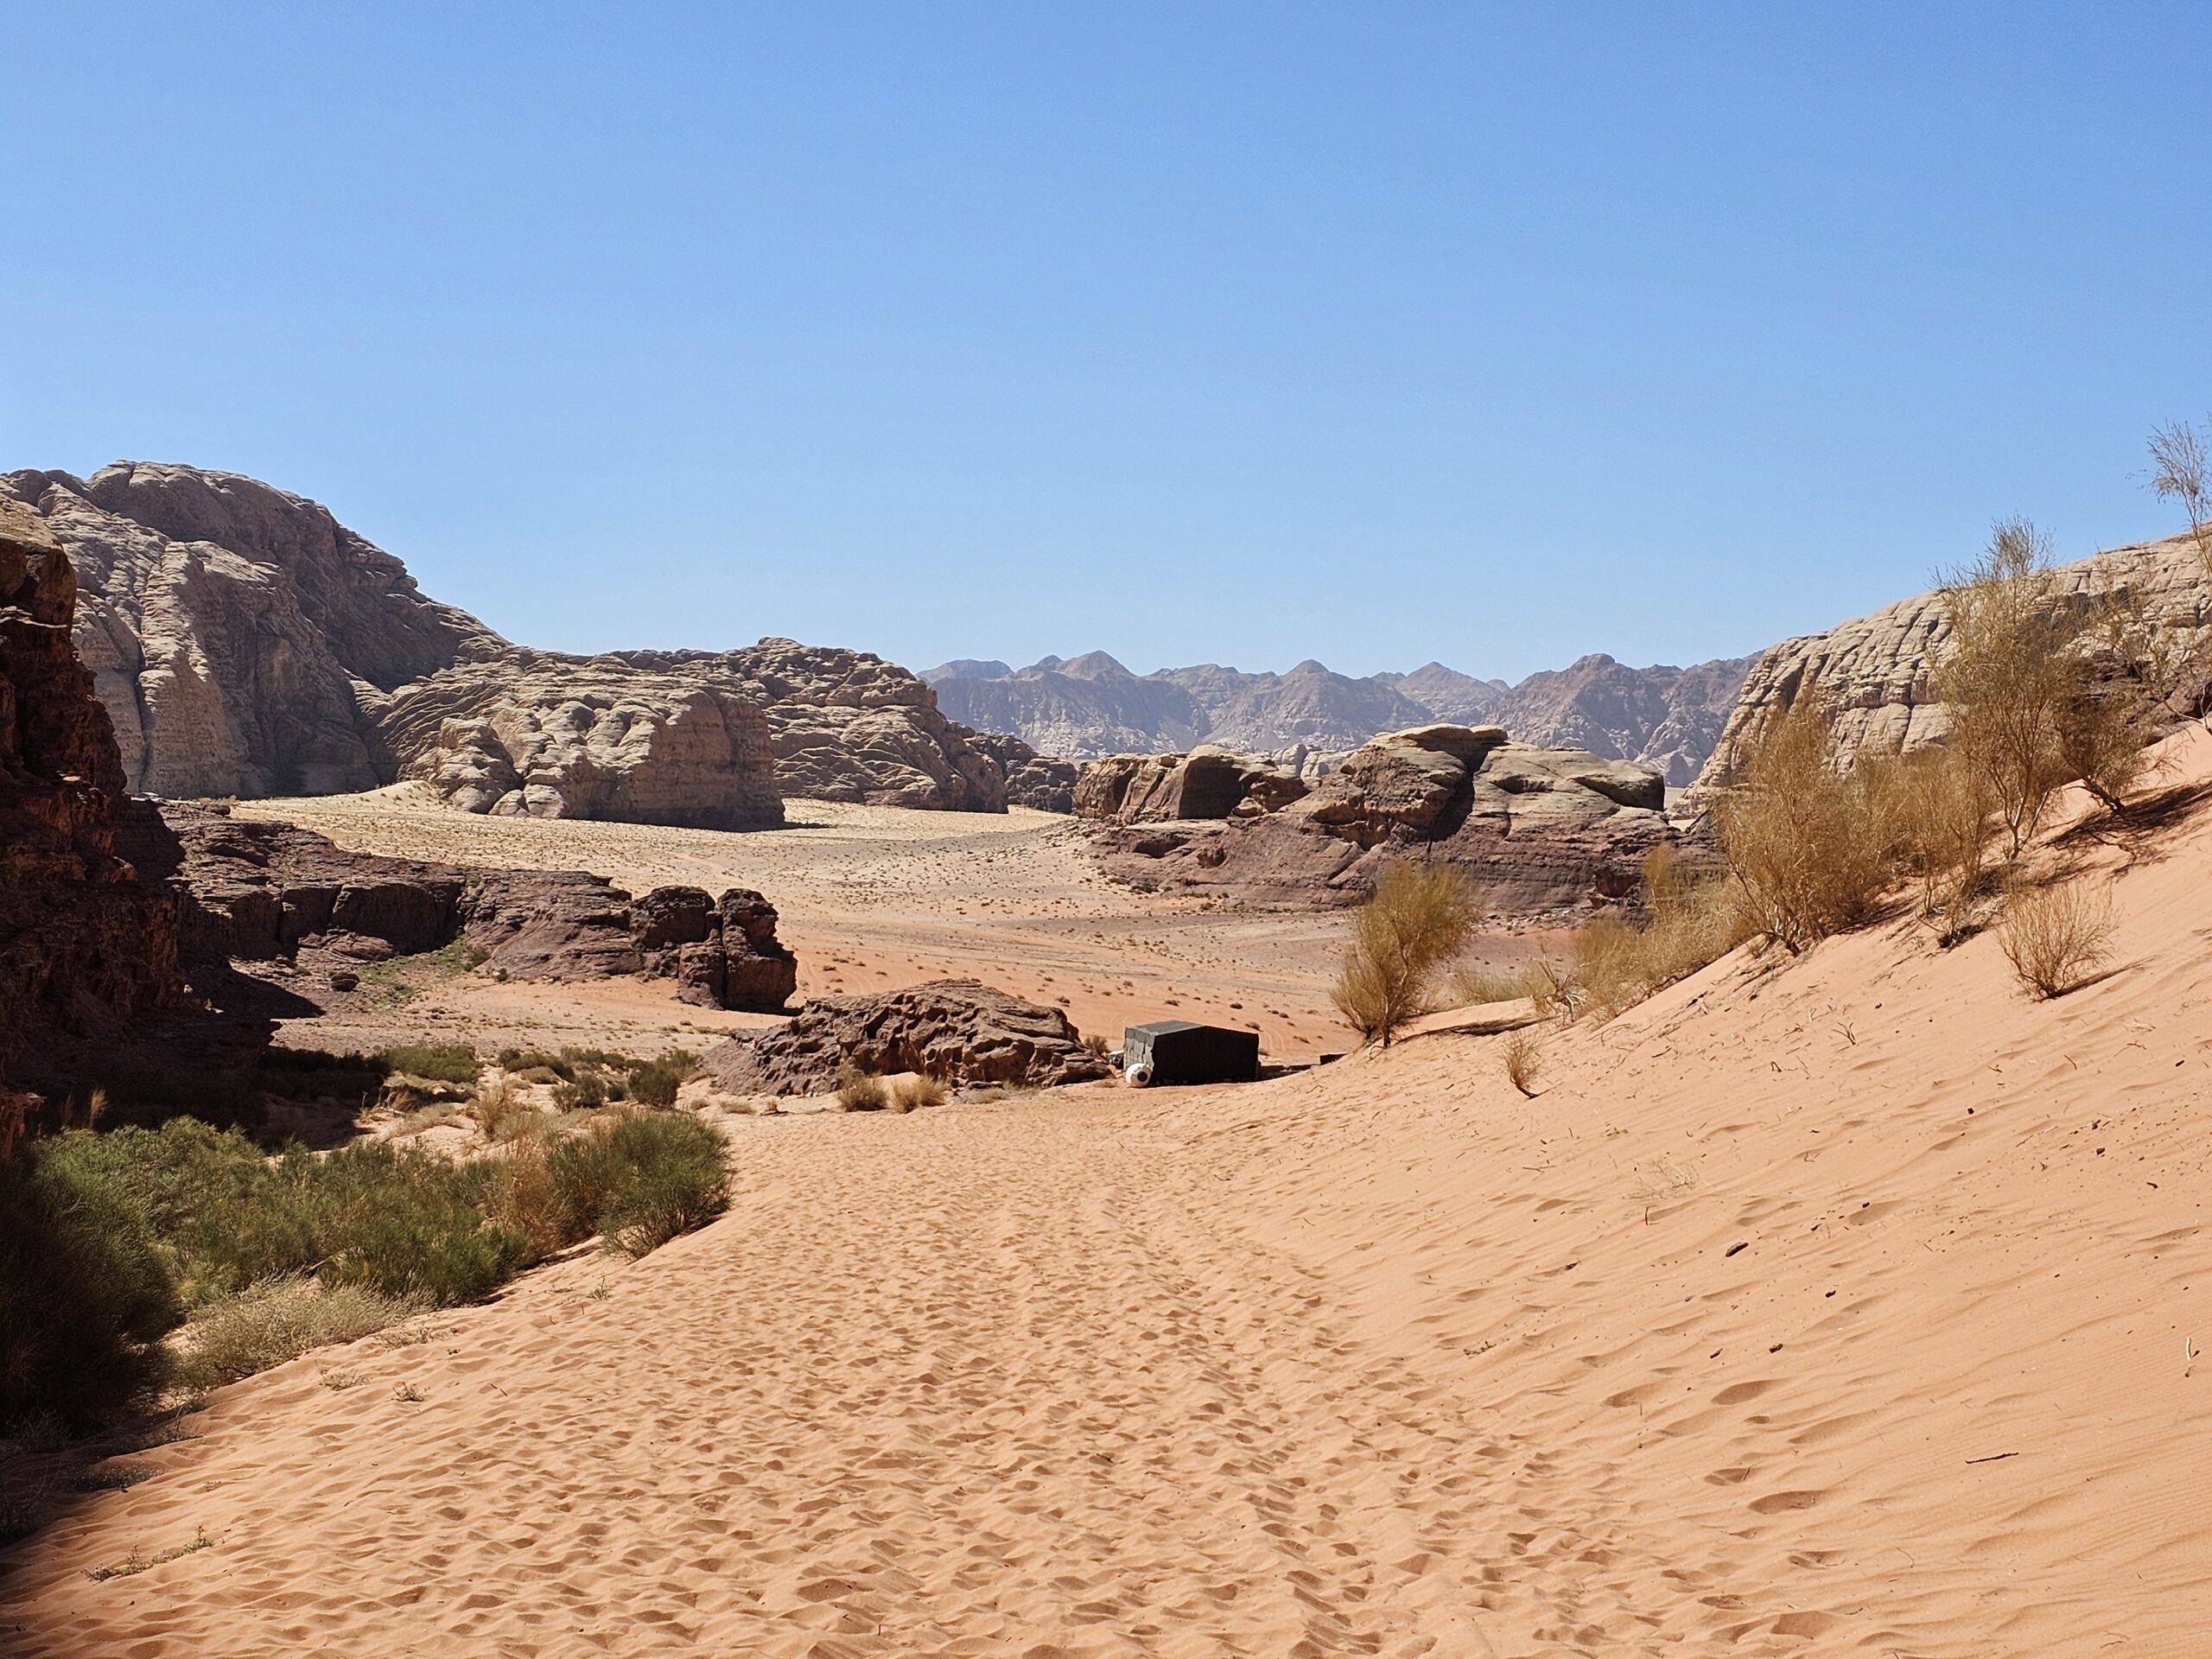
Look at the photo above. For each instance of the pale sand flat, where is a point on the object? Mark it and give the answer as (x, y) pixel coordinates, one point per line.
(1839, 1309)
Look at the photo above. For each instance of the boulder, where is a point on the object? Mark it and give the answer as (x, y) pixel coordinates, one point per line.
(1207, 783)
(722, 954)
(957, 1030)
(85, 942)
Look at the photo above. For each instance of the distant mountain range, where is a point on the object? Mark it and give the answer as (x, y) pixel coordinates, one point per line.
(1083, 707)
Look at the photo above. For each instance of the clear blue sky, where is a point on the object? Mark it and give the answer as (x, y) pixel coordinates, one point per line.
(1365, 332)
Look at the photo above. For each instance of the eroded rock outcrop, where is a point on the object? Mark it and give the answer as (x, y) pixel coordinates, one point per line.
(1036, 781)
(1546, 834)
(1872, 673)
(954, 1029)
(535, 736)
(85, 944)
(1209, 782)
(847, 726)
(722, 953)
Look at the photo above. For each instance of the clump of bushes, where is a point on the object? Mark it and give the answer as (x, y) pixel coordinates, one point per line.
(585, 1080)
(639, 1179)
(110, 1241)
(453, 1062)
(1415, 921)
(1692, 915)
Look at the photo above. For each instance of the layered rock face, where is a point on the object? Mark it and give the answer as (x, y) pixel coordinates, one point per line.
(563, 925)
(1874, 674)
(1089, 707)
(535, 735)
(954, 1029)
(84, 943)
(1546, 834)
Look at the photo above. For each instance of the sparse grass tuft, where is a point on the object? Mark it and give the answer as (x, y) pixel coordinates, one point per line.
(501, 1113)
(922, 1090)
(862, 1091)
(2054, 936)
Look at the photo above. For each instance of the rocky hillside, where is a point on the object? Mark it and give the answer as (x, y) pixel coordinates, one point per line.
(1664, 718)
(1873, 672)
(84, 943)
(245, 643)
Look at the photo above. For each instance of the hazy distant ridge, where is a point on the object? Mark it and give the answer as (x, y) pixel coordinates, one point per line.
(1664, 717)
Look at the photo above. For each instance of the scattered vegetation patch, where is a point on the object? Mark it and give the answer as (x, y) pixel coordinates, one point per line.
(921, 1090)
(453, 1062)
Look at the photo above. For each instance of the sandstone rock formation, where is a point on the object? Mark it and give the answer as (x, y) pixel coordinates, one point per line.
(532, 735)
(239, 636)
(1546, 834)
(847, 726)
(1036, 781)
(245, 643)
(1872, 673)
(722, 954)
(1089, 707)
(84, 943)
(1209, 782)
(253, 890)
(954, 1029)
(560, 924)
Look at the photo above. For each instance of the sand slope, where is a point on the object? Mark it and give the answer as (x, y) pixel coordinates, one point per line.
(1842, 1309)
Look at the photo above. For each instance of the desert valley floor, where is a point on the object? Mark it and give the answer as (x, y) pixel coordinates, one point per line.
(1849, 1304)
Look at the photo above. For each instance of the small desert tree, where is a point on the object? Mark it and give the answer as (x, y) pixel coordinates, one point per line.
(2181, 460)
(2016, 675)
(1416, 920)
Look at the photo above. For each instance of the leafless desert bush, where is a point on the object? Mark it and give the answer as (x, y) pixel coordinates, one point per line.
(2180, 470)
(1809, 846)
(1416, 920)
(2054, 936)
(862, 1091)
(1938, 806)
(1525, 1062)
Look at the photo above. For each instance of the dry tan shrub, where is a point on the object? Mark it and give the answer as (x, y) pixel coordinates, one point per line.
(1809, 847)
(500, 1111)
(276, 1320)
(1551, 990)
(2016, 671)
(1938, 806)
(527, 1201)
(862, 1091)
(1525, 1062)
(2053, 936)
(1416, 920)
(1693, 916)
(921, 1090)
(1472, 984)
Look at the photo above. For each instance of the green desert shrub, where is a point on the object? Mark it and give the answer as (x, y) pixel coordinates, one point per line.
(84, 1297)
(656, 1082)
(667, 1177)
(454, 1063)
